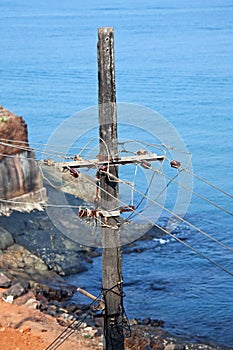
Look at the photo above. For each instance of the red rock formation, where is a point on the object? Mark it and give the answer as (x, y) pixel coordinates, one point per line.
(19, 172)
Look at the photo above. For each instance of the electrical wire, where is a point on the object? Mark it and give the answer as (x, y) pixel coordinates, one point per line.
(132, 215)
(208, 183)
(159, 147)
(43, 144)
(193, 192)
(30, 149)
(19, 155)
(75, 324)
(159, 227)
(26, 148)
(73, 327)
(180, 218)
(46, 151)
(176, 238)
(170, 212)
(162, 207)
(70, 329)
(142, 199)
(134, 179)
(158, 196)
(84, 148)
(156, 203)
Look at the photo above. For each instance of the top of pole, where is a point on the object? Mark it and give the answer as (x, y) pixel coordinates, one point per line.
(107, 94)
(106, 68)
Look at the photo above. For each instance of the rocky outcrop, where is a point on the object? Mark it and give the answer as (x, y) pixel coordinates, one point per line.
(6, 239)
(35, 232)
(21, 266)
(20, 178)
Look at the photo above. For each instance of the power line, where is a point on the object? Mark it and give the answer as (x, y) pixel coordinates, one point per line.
(20, 155)
(47, 150)
(167, 210)
(42, 144)
(180, 218)
(155, 225)
(9, 201)
(156, 203)
(29, 149)
(152, 201)
(208, 183)
(167, 147)
(193, 192)
(159, 147)
(177, 239)
(159, 195)
(69, 330)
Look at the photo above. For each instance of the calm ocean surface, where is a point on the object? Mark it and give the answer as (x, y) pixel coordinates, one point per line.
(175, 57)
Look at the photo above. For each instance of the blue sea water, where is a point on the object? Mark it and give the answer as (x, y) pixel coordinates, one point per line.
(174, 57)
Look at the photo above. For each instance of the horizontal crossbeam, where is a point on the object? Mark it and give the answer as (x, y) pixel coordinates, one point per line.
(86, 212)
(95, 163)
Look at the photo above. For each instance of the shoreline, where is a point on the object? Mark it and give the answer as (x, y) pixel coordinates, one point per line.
(63, 257)
(32, 328)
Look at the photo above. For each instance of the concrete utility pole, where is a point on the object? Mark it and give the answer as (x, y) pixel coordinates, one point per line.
(109, 211)
(108, 151)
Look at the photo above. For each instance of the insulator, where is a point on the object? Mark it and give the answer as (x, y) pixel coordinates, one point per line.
(141, 152)
(77, 157)
(145, 164)
(102, 169)
(175, 164)
(127, 208)
(74, 172)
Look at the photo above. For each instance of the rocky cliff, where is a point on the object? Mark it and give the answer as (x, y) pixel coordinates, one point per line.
(20, 179)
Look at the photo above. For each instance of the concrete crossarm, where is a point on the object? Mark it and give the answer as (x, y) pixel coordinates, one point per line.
(95, 163)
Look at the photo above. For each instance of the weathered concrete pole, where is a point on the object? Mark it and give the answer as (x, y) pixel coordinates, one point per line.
(108, 149)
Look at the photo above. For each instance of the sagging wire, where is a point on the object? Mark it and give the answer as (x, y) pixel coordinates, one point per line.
(132, 215)
(155, 225)
(159, 146)
(107, 150)
(46, 151)
(145, 196)
(134, 179)
(154, 202)
(181, 219)
(149, 199)
(84, 148)
(43, 144)
(176, 238)
(145, 144)
(159, 194)
(208, 183)
(193, 192)
(133, 186)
